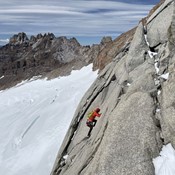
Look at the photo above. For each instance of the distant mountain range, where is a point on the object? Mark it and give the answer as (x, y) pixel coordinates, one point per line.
(50, 56)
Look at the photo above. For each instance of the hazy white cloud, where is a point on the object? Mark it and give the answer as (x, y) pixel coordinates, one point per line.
(3, 41)
(69, 17)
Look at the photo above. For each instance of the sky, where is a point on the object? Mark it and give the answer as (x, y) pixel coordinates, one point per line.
(87, 20)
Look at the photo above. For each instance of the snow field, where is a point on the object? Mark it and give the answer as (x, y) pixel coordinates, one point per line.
(34, 118)
(165, 163)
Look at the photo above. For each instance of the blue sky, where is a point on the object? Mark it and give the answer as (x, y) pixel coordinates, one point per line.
(87, 20)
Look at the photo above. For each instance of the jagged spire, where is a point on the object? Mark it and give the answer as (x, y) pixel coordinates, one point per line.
(19, 38)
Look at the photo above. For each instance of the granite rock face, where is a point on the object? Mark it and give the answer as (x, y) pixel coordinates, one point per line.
(136, 94)
(157, 30)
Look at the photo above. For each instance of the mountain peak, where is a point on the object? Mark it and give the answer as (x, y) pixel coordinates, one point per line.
(19, 38)
(106, 39)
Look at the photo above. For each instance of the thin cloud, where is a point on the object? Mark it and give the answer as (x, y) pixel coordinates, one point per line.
(68, 17)
(3, 41)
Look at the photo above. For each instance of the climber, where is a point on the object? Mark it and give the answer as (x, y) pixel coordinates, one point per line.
(91, 122)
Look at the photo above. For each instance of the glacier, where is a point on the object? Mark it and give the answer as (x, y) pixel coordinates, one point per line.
(34, 118)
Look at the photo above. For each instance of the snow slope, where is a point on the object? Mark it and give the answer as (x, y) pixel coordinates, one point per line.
(165, 163)
(34, 118)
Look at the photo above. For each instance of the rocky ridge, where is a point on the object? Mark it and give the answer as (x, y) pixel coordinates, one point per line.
(50, 56)
(24, 58)
(136, 95)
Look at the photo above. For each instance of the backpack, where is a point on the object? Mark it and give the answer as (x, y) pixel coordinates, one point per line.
(89, 114)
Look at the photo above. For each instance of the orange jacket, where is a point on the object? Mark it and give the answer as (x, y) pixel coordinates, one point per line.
(92, 117)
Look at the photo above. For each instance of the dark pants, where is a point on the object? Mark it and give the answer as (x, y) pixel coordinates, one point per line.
(91, 125)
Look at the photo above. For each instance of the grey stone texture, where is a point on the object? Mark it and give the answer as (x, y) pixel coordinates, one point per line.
(136, 55)
(137, 106)
(159, 22)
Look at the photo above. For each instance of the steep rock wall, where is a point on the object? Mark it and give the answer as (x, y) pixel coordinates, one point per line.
(136, 94)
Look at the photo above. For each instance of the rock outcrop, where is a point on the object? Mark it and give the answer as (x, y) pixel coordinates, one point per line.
(110, 49)
(24, 58)
(19, 39)
(136, 94)
(50, 56)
